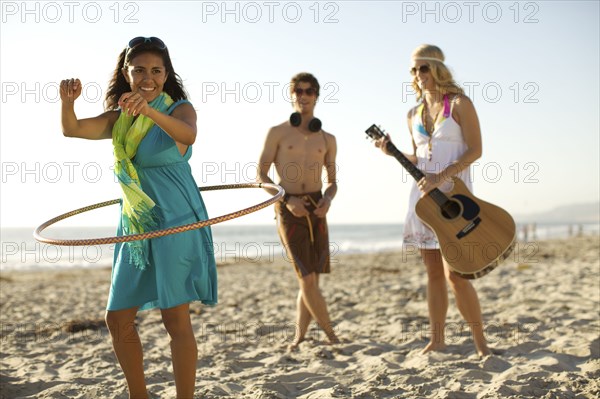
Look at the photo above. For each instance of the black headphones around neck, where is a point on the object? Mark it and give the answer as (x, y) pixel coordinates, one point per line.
(314, 125)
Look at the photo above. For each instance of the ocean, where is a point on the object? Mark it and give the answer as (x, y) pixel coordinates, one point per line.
(19, 251)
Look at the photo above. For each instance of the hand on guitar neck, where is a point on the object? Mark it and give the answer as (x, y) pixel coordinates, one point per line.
(385, 144)
(428, 182)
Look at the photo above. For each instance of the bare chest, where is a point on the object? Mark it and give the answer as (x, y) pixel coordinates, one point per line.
(296, 147)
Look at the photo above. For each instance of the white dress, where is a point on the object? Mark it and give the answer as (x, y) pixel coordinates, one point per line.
(447, 145)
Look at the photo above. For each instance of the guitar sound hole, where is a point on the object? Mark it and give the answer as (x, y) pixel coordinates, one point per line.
(451, 209)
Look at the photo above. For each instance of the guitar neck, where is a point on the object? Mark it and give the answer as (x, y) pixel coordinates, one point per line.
(409, 166)
(438, 196)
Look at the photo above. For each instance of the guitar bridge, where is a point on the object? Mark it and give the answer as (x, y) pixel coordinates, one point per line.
(469, 228)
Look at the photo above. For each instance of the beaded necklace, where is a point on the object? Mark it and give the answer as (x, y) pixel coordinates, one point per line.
(429, 131)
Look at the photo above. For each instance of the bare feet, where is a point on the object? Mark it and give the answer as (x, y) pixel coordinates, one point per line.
(333, 339)
(481, 346)
(294, 345)
(434, 347)
(440, 347)
(483, 351)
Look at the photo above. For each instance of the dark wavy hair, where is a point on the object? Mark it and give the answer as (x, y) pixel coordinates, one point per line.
(305, 77)
(118, 85)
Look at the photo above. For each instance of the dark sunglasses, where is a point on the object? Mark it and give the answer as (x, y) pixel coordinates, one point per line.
(423, 69)
(155, 41)
(309, 92)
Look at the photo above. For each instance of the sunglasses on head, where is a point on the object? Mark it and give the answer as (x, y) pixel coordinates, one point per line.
(155, 41)
(309, 92)
(423, 69)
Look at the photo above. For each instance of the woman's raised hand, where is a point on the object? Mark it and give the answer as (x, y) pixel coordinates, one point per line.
(70, 89)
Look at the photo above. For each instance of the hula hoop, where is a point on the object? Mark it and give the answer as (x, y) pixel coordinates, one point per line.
(158, 233)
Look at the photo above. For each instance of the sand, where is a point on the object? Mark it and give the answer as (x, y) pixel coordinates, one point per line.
(541, 310)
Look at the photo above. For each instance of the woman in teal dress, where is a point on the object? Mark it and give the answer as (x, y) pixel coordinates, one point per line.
(153, 127)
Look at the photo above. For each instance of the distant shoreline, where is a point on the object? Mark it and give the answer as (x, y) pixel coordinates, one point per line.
(529, 247)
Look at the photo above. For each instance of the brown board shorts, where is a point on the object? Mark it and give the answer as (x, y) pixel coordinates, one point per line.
(306, 239)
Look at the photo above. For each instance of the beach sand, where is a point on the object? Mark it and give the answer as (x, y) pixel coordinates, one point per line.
(541, 311)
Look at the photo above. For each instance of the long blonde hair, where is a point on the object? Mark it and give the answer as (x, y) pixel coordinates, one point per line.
(439, 71)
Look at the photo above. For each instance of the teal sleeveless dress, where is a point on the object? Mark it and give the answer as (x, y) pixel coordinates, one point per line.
(181, 266)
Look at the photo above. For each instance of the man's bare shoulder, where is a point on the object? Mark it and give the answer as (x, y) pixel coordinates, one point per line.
(330, 140)
(328, 136)
(277, 132)
(280, 129)
(283, 126)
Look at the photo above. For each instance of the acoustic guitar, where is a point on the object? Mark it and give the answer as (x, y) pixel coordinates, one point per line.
(474, 236)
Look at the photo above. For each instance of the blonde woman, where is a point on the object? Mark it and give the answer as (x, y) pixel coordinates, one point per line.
(446, 139)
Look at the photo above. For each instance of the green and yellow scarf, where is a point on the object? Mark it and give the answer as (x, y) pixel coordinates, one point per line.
(138, 215)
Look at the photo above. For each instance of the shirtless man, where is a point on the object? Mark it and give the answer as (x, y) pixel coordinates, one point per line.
(300, 153)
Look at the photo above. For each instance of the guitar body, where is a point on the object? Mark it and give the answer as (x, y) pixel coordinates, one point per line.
(474, 235)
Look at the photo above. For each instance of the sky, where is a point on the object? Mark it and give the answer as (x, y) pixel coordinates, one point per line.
(531, 69)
